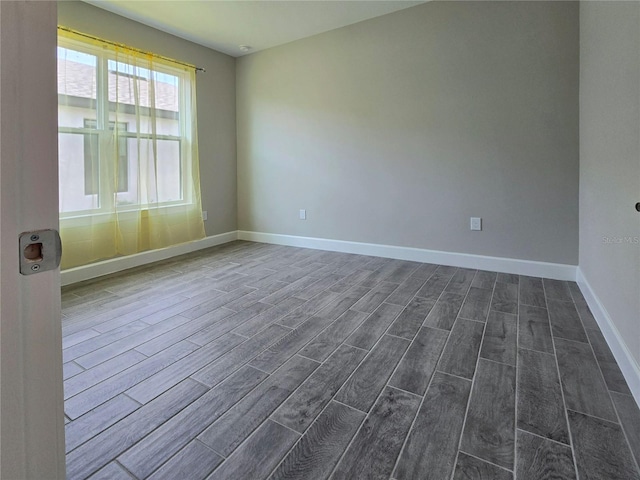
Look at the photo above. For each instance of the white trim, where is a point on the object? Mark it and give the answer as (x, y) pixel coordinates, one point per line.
(500, 264)
(79, 274)
(626, 361)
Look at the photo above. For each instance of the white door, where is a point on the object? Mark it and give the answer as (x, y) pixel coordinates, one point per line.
(31, 399)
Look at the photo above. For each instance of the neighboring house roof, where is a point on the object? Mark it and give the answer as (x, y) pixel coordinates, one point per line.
(79, 80)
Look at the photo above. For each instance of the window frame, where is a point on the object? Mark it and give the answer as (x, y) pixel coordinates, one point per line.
(106, 199)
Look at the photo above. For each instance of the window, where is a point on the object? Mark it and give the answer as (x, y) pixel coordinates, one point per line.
(127, 149)
(96, 92)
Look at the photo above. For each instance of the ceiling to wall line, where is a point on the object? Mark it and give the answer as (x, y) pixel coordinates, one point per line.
(227, 25)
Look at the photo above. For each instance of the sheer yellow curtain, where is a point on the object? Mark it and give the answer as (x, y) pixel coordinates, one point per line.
(128, 151)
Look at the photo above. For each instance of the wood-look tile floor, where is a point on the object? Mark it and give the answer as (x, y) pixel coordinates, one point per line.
(251, 361)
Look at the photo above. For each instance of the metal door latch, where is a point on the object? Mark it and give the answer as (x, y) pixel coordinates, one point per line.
(39, 251)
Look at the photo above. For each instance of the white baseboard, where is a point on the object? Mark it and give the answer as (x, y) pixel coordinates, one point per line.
(87, 272)
(499, 264)
(626, 361)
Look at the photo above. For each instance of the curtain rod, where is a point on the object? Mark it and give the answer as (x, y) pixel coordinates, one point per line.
(122, 45)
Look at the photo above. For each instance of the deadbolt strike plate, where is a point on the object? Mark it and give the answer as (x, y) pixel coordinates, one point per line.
(39, 251)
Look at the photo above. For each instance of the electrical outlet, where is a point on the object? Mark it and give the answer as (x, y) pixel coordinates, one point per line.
(204, 215)
(476, 223)
(303, 214)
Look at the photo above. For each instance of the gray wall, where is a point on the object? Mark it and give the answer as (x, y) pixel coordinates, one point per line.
(610, 160)
(215, 94)
(397, 129)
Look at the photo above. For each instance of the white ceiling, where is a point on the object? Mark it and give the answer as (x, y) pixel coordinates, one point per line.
(225, 25)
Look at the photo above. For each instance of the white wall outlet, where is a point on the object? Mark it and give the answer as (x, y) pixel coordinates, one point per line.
(303, 214)
(476, 223)
(204, 215)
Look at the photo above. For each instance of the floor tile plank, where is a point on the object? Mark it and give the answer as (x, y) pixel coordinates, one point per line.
(370, 331)
(461, 281)
(319, 286)
(629, 414)
(195, 462)
(557, 290)
(610, 370)
(364, 386)
(374, 449)
(217, 368)
(372, 300)
(101, 449)
(188, 329)
(542, 459)
(461, 352)
(565, 322)
(416, 368)
(352, 278)
(94, 422)
(326, 343)
(112, 471)
(588, 320)
(259, 455)
(266, 318)
(601, 449)
(348, 299)
(484, 280)
(508, 278)
(213, 304)
(490, 425)
(318, 451)
(281, 351)
(583, 386)
(95, 375)
(532, 292)
(505, 298)
(431, 447)
(411, 318)
(433, 288)
(540, 405)
(444, 312)
(71, 369)
(81, 336)
(152, 451)
(401, 271)
(101, 392)
(534, 332)
(109, 318)
(229, 323)
(500, 338)
(291, 290)
(123, 345)
(226, 433)
(408, 289)
(75, 351)
(162, 381)
(472, 468)
(309, 308)
(476, 304)
(301, 408)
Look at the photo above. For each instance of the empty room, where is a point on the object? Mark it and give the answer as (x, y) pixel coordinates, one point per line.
(320, 240)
